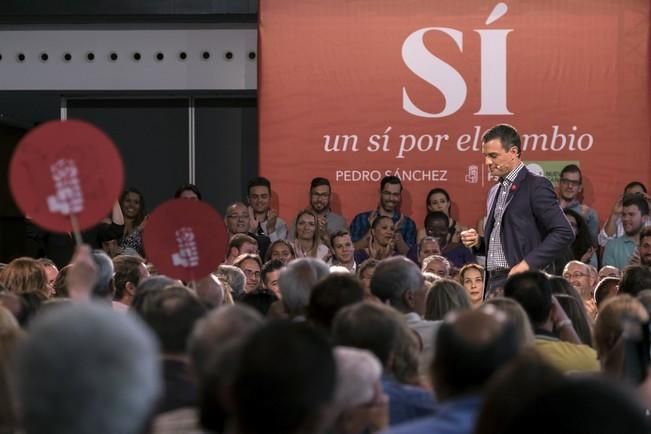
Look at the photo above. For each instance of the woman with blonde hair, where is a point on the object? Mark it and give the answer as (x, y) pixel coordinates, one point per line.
(307, 237)
(24, 275)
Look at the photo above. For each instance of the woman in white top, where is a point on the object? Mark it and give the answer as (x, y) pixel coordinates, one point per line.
(307, 239)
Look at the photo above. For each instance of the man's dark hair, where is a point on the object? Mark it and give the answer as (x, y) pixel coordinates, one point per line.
(330, 295)
(285, 366)
(581, 405)
(368, 326)
(638, 200)
(506, 134)
(238, 241)
(534, 292)
(582, 238)
(433, 216)
(644, 233)
(318, 182)
(171, 314)
(390, 180)
(572, 168)
(127, 269)
(460, 346)
(635, 184)
(258, 182)
(269, 267)
(260, 300)
(187, 187)
(392, 278)
(635, 278)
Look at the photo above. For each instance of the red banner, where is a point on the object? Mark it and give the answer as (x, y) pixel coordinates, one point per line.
(355, 90)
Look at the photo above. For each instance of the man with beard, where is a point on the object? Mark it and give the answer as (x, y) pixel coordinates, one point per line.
(645, 247)
(635, 213)
(329, 221)
(390, 198)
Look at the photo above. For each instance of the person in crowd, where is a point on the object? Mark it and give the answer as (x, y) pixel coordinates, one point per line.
(251, 265)
(51, 273)
(606, 288)
(270, 274)
(262, 218)
(275, 389)
(210, 291)
(522, 380)
(238, 219)
(533, 291)
(516, 314)
(130, 271)
(613, 227)
(105, 363)
(635, 213)
(234, 278)
(427, 246)
(575, 307)
(459, 380)
(364, 274)
(60, 283)
(438, 265)
(261, 300)
(570, 187)
(376, 328)
(171, 315)
(609, 271)
(526, 227)
(213, 348)
(436, 225)
(359, 405)
(103, 290)
(188, 191)
(583, 247)
(10, 336)
(636, 278)
(381, 241)
(471, 276)
(240, 244)
(329, 221)
(296, 283)
(132, 204)
(582, 279)
(619, 319)
(282, 250)
(343, 251)
(389, 205)
(438, 200)
(25, 275)
(644, 250)
(307, 239)
(330, 295)
(397, 282)
(445, 296)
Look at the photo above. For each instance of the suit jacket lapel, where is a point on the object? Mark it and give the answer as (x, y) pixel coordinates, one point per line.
(516, 185)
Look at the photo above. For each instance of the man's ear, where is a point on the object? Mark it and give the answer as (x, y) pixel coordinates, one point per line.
(408, 298)
(130, 289)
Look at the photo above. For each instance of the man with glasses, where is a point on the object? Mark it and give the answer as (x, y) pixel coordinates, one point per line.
(579, 275)
(390, 198)
(570, 186)
(237, 222)
(329, 221)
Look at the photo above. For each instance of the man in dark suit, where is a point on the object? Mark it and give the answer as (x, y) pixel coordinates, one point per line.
(526, 228)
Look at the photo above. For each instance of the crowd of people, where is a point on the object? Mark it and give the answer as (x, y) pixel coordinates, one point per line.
(318, 326)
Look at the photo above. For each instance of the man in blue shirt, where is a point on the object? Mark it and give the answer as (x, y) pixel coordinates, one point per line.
(471, 346)
(390, 198)
(635, 213)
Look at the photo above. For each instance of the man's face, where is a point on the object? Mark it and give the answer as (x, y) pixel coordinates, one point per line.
(259, 198)
(632, 220)
(237, 219)
(428, 248)
(252, 272)
(499, 161)
(343, 248)
(645, 251)
(271, 282)
(437, 267)
(609, 271)
(282, 252)
(439, 230)
(569, 185)
(248, 248)
(320, 198)
(189, 194)
(390, 197)
(580, 278)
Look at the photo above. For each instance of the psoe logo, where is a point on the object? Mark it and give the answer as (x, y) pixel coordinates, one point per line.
(448, 80)
(472, 177)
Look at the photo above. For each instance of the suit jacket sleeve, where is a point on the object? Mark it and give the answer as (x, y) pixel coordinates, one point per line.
(552, 224)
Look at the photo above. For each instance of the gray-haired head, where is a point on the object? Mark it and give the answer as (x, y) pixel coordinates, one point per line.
(234, 276)
(296, 282)
(393, 278)
(358, 373)
(103, 288)
(86, 369)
